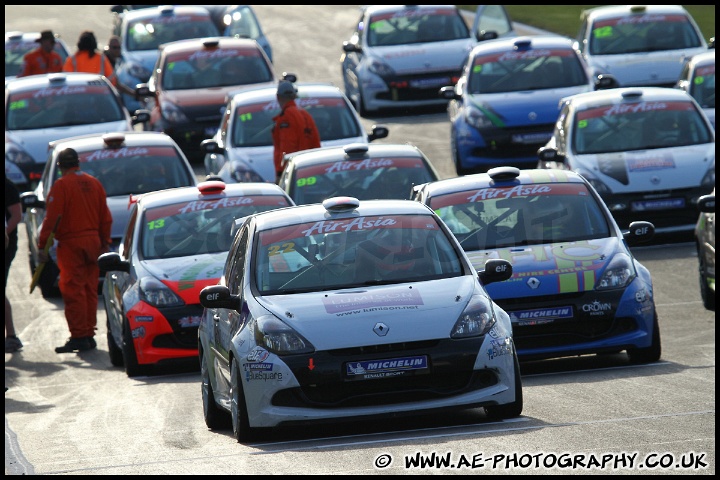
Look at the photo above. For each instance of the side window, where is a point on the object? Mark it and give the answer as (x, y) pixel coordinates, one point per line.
(582, 41)
(127, 241)
(561, 129)
(236, 262)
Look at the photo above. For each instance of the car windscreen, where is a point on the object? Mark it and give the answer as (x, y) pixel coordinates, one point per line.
(199, 226)
(253, 123)
(642, 33)
(62, 106)
(136, 170)
(352, 252)
(639, 126)
(532, 69)
(496, 217)
(383, 177)
(413, 25)
(215, 68)
(150, 33)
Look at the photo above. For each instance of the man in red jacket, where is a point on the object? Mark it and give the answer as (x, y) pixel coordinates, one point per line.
(83, 233)
(294, 128)
(43, 59)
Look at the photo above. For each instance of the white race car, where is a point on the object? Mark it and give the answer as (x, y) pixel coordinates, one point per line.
(350, 309)
(648, 151)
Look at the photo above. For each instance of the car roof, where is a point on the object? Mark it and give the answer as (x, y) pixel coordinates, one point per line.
(265, 93)
(614, 11)
(485, 180)
(215, 189)
(195, 44)
(142, 13)
(337, 153)
(318, 213)
(702, 59)
(28, 37)
(33, 82)
(534, 42)
(632, 94)
(129, 139)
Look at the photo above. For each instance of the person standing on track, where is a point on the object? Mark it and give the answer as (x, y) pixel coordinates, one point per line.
(83, 233)
(88, 59)
(294, 128)
(43, 59)
(13, 215)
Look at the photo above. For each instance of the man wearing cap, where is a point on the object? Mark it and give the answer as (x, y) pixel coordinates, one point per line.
(83, 233)
(294, 128)
(43, 59)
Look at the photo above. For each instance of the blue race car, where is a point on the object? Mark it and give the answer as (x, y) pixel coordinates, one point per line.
(576, 287)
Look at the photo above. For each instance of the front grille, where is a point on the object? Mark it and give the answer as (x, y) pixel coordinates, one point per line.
(327, 385)
(182, 336)
(400, 89)
(583, 327)
(181, 340)
(390, 391)
(499, 142)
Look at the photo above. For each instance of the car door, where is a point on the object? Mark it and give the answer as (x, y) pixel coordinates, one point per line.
(228, 322)
(120, 300)
(492, 18)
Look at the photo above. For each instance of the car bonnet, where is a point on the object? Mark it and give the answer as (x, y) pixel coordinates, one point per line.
(645, 68)
(350, 317)
(650, 170)
(187, 276)
(35, 142)
(424, 58)
(550, 269)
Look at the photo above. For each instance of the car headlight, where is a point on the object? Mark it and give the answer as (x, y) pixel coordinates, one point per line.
(16, 154)
(618, 274)
(380, 68)
(593, 180)
(138, 71)
(172, 112)
(477, 119)
(155, 293)
(477, 319)
(708, 181)
(242, 175)
(278, 338)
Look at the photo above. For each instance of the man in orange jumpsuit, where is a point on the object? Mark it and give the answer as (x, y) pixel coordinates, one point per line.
(89, 59)
(294, 128)
(83, 233)
(43, 59)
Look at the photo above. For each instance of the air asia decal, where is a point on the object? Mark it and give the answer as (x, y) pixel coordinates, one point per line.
(630, 108)
(519, 55)
(600, 28)
(368, 301)
(215, 54)
(291, 233)
(411, 13)
(226, 202)
(244, 112)
(126, 152)
(491, 193)
(20, 99)
(371, 369)
(367, 164)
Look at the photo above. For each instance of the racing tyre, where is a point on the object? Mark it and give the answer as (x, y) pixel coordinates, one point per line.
(455, 157)
(651, 353)
(132, 368)
(215, 418)
(48, 279)
(707, 293)
(240, 423)
(116, 354)
(509, 410)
